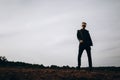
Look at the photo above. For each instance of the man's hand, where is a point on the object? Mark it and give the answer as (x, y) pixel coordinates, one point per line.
(81, 41)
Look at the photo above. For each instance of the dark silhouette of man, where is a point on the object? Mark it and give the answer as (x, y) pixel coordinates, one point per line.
(85, 43)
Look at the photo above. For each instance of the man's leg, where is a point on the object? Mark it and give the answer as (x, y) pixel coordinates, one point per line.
(88, 49)
(79, 55)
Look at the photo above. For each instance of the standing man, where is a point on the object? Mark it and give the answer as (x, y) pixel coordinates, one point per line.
(84, 44)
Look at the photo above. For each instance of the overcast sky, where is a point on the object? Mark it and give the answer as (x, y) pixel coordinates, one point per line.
(44, 31)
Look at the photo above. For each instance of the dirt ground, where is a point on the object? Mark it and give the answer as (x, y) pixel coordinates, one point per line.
(56, 74)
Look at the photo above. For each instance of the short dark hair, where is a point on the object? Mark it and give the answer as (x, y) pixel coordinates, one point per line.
(84, 23)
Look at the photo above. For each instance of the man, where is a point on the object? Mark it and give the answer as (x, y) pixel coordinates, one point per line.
(84, 44)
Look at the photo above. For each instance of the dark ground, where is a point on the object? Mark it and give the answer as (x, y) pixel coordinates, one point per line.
(7, 73)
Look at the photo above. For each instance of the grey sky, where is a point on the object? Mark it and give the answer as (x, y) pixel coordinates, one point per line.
(44, 31)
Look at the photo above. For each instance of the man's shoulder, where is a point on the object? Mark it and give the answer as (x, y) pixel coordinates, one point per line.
(87, 31)
(84, 30)
(78, 30)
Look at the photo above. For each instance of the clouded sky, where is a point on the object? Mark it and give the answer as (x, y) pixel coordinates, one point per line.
(44, 31)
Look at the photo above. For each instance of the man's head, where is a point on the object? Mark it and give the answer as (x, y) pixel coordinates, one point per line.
(84, 25)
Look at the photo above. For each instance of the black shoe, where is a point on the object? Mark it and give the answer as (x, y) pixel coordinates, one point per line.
(78, 68)
(90, 69)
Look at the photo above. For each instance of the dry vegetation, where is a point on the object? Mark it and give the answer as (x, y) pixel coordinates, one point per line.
(56, 74)
(10, 70)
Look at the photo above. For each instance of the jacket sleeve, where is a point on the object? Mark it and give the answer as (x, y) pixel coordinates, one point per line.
(91, 43)
(78, 35)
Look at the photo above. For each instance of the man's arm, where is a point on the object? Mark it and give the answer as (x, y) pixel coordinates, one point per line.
(90, 40)
(79, 36)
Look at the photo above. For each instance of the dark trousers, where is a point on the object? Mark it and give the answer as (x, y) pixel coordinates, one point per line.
(88, 50)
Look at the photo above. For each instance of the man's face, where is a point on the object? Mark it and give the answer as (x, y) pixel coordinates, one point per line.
(83, 25)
